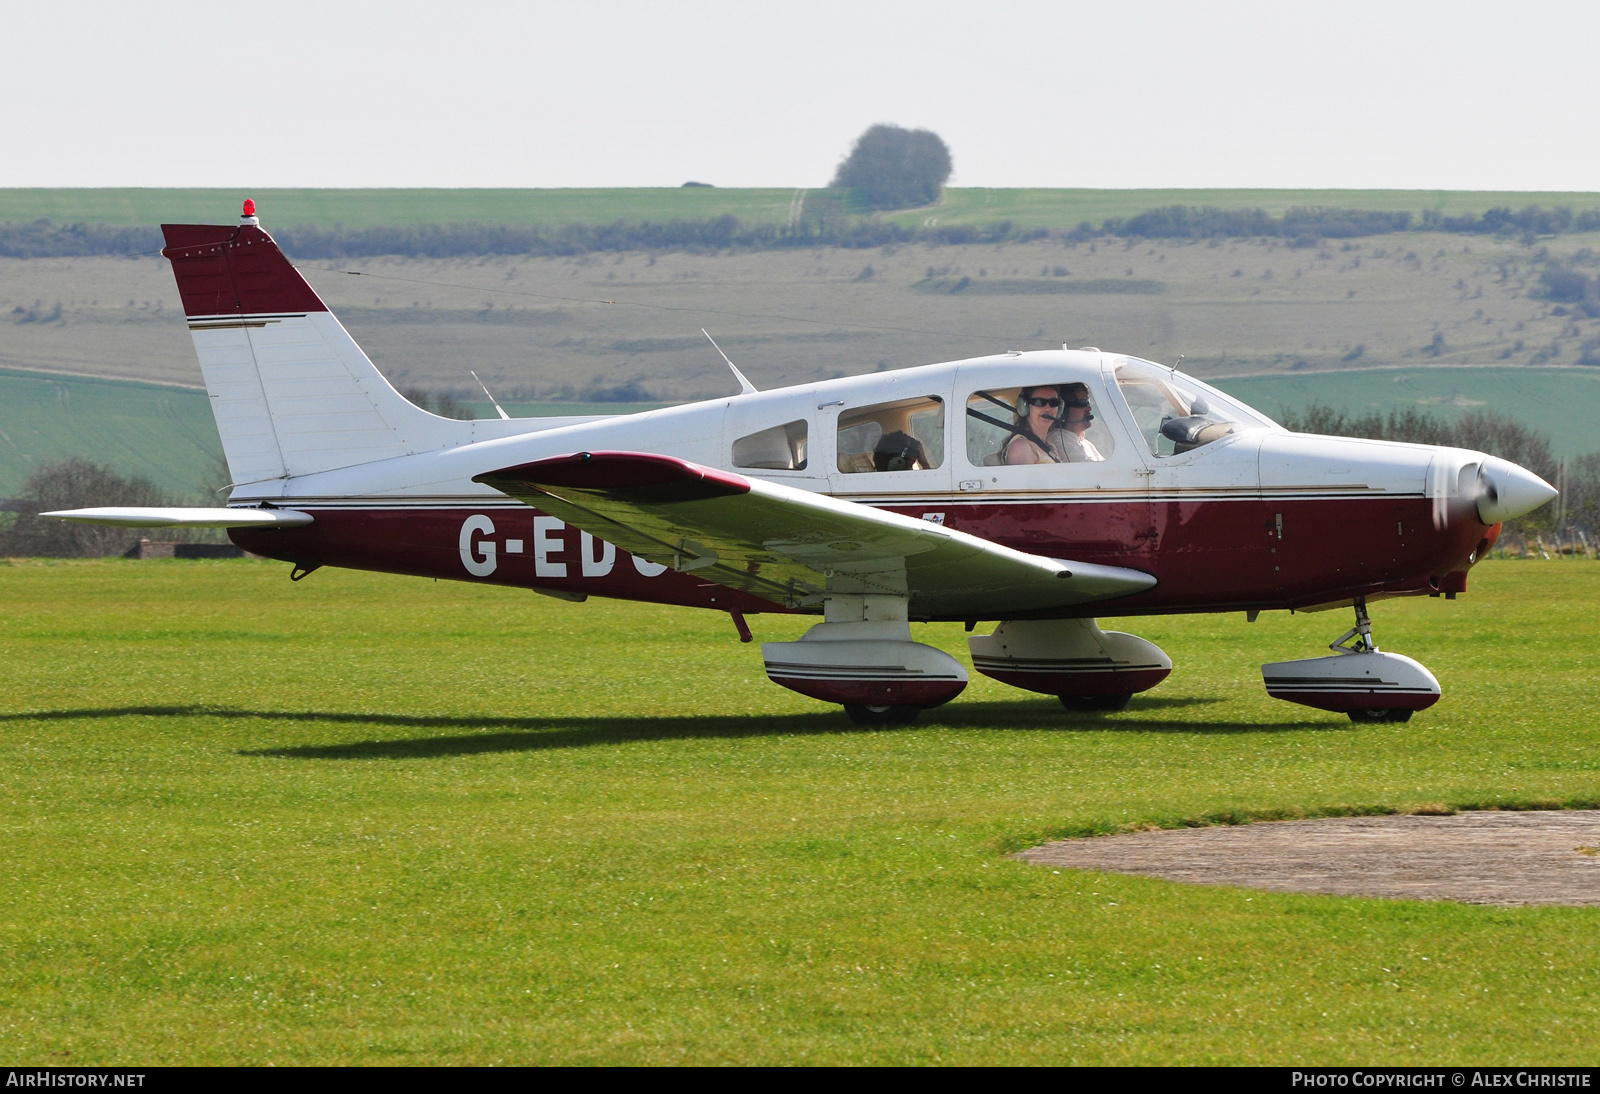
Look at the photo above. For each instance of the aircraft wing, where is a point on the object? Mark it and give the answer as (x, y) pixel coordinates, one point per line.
(787, 545)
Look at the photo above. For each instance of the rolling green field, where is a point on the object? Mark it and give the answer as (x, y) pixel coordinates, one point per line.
(364, 819)
(161, 432)
(1561, 403)
(1032, 208)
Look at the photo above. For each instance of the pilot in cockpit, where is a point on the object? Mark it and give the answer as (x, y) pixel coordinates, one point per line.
(1068, 438)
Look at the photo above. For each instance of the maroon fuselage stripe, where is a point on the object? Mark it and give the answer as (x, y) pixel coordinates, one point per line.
(1206, 555)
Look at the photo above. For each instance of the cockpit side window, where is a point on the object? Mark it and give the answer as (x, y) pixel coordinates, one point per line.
(781, 448)
(907, 435)
(1176, 413)
(1044, 423)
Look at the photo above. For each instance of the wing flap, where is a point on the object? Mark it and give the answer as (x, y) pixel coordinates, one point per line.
(788, 545)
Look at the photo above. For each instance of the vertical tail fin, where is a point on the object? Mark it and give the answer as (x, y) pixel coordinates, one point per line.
(292, 392)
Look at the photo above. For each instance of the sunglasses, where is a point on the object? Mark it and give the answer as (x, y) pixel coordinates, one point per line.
(1039, 400)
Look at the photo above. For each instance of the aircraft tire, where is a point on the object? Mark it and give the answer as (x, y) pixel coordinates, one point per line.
(1395, 714)
(894, 715)
(1095, 703)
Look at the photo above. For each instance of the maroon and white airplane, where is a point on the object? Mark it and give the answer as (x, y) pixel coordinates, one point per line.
(1035, 490)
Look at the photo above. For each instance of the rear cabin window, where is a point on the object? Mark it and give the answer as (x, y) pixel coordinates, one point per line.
(1045, 423)
(902, 436)
(781, 448)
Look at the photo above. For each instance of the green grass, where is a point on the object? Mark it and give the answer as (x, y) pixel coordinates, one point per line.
(1559, 402)
(365, 819)
(1048, 208)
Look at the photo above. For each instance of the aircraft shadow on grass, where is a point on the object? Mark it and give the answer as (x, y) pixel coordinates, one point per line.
(534, 734)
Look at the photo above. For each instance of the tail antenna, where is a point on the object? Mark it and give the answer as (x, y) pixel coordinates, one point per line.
(745, 386)
(497, 408)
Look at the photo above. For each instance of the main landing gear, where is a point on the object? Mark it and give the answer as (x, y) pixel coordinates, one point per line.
(1358, 680)
(861, 655)
(1088, 669)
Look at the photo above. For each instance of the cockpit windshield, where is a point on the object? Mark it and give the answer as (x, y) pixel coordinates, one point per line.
(1177, 413)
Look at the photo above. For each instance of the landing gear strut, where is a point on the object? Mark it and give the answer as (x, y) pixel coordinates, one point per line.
(1358, 680)
(1361, 632)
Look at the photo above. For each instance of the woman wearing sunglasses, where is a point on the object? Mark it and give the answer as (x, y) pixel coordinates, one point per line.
(1038, 410)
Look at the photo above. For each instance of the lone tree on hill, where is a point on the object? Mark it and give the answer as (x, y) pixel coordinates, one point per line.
(895, 168)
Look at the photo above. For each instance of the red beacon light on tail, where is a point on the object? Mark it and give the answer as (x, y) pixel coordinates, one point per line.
(249, 216)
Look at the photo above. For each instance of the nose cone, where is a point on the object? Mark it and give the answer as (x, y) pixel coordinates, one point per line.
(1506, 491)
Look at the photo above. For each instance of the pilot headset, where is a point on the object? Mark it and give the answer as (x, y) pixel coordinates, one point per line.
(1021, 408)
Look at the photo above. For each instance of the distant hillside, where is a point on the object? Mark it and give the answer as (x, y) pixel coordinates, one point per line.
(1060, 208)
(1025, 208)
(556, 328)
(282, 208)
(161, 432)
(1561, 403)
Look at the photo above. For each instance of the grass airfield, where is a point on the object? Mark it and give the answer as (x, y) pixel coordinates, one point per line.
(369, 819)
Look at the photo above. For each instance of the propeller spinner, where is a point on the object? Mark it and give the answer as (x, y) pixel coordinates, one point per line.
(1498, 490)
(1506, 491)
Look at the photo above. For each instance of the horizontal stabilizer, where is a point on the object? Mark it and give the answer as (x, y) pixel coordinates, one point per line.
(150, 517)
(790, 545)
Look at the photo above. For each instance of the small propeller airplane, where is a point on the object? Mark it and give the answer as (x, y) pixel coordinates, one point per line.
(1038, 491)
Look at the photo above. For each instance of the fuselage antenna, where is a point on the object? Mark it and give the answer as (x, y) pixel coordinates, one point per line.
(745, 386)
(497, 408)
(1176, 363)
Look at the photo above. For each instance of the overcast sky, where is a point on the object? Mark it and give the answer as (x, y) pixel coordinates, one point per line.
(1127, 94)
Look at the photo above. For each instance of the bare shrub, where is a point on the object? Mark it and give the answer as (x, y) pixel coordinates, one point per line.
(73, 484)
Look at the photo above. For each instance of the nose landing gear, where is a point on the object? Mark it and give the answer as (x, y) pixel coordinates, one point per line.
(1359, 679)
